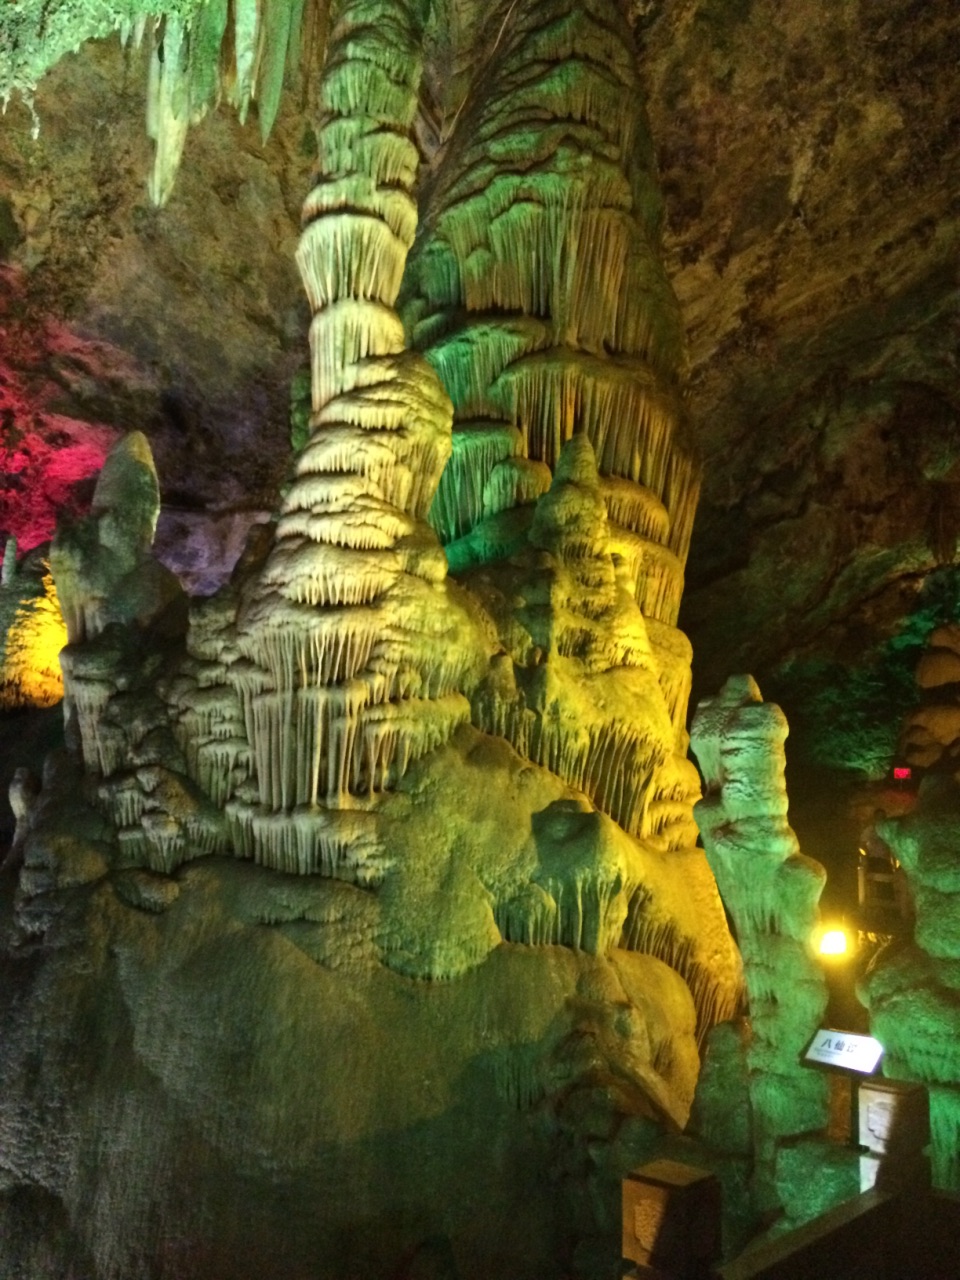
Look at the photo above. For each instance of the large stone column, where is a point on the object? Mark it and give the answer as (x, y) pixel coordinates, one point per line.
(771, 891)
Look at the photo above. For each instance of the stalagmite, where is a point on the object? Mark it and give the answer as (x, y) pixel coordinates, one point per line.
(106, 577)
(581, 694)
(771, 891)
(351, 652)
(125, 615)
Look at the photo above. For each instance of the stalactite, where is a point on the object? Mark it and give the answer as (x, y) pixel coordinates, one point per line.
(188, 73)
(715, 997)
(514, 482)
(594, 889)
(200, 56)
(531, 921)
(221, 766)
(160, 819)
(164, 843)
(635, 508)
(354, 256)
(390, 429)
(669, 822)
(555, 393)
(470, 359)
(608, 761)
(654, 572)
(168, 106)
(124, 802)
(88, 699)
(585, 914)
(207, 714)
(334, 842)
(357, 146)
(477, 449)
(132, 843)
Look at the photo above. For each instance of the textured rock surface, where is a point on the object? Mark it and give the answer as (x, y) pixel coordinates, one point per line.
(771, 891)
(810, 234)
(311, 1047)
(186, 324)
(228, 1055)
(913, 993)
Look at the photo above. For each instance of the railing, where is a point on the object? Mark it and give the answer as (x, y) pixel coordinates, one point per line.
(911, 1233)
(858, 1239)
(881, 1235)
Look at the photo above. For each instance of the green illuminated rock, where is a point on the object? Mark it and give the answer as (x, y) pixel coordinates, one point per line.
(200, 51)
(913, 991)
(771, 891)
(536, 289)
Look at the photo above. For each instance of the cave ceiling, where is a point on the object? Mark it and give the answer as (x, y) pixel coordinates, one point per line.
(808, 158)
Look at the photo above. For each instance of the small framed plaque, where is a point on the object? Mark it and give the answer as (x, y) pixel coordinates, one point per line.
(843, 1051)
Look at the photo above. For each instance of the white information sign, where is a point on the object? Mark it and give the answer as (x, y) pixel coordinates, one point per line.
(844, 1051)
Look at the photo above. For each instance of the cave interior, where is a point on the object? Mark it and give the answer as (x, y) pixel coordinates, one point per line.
(446, 449)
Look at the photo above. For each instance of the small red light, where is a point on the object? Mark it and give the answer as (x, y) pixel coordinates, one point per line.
(901, 773)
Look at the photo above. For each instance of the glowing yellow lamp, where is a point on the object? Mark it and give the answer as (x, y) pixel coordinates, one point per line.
(833, 942)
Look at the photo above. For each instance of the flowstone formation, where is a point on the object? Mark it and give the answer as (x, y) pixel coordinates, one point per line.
(913, 992)
(369, 893)
(771, 891)
(34, 631)
(537, 291)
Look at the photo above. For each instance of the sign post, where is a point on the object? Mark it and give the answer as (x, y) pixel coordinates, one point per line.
(848, 1054)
